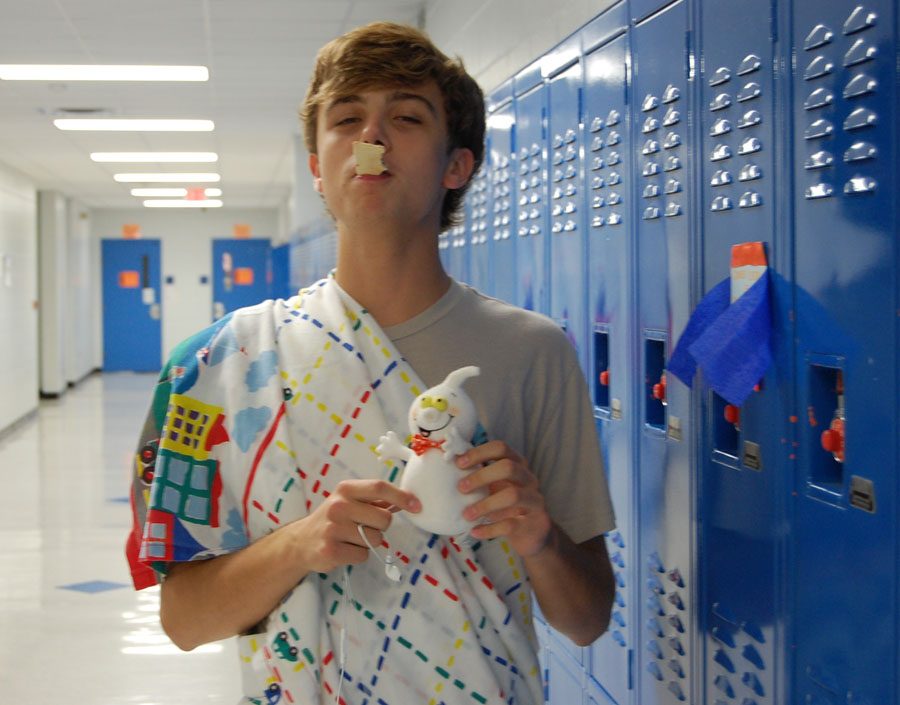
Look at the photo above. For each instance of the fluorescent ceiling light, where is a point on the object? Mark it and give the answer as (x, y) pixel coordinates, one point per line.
(166, 178)
(155, 157)
(134, 125)
(159, 192)
(92, 72)
(172, 192)
(179, 203)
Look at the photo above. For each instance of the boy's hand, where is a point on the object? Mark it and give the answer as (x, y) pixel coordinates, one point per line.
(329, 536)
(514, 507)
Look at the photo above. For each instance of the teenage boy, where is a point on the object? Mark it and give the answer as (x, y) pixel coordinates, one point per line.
(270, 514)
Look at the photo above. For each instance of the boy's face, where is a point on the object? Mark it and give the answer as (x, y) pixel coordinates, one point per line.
(410, 123)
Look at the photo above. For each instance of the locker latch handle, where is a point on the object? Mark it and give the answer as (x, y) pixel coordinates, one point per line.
(659, 389)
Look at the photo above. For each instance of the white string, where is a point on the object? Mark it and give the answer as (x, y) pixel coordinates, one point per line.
(391, 569)
(342, 652)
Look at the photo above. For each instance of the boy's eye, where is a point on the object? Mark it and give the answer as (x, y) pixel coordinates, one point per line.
(409, 118)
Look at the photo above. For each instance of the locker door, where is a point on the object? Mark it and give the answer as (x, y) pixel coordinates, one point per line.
(611, 372)
(845, 190)
(742, 459)
(531, 228)
(565, 685)
(132, 309)
(501, 126)
(641, 9)
(242, 274)
(477, 230)
(662, 190)
(457, 243)
(566, 273)
(281, 272)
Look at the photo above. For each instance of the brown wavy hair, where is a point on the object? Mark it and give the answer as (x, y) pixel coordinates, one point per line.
(384, 54)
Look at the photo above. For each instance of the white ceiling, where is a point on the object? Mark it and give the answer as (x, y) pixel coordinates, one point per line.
(259, 54)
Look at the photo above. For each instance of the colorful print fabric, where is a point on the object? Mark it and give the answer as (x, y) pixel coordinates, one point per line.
(261, 415)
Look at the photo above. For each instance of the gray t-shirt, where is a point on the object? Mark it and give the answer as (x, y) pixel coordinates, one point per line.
(531, 394)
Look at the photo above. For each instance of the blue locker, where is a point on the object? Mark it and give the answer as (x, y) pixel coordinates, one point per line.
(610, 301)
(565, 684)
(132, 306)
(457, 251)
(742, 459)
(501, 156)
(844, 119)
(531, 193)
(641, 9)
(476, 229)
(661, 193)
(566, 276)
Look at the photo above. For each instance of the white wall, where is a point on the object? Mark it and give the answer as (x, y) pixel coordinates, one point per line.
(186, 241)
(305, 205)
(82, 348)
(52, 273)
(18, 297)
(496, 38)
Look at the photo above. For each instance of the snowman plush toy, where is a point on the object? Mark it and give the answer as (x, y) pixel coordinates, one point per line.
(442, 421)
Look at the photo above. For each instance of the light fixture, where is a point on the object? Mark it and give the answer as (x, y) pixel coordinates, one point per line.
(168, 178)
(172, 192)
(154, 157)
(135, 125)
(182, 203)
(98, 72)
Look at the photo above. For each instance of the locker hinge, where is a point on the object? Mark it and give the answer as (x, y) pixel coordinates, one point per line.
(688, 56)
(630, 669)
(580, 105)
(773, 20)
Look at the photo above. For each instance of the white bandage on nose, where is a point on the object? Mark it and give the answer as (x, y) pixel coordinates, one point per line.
(368, 158)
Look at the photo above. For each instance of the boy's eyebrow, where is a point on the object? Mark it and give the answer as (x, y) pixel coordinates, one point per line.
(342, 101)
(395, 97)
(404, 95)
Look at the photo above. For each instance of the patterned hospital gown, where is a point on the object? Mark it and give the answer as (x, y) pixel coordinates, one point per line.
(254, 422)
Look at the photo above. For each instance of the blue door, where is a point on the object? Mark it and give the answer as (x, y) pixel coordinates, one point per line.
(132, 311)
(242, 274)
(281, 272)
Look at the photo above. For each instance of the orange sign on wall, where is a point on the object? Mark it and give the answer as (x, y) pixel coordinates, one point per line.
(129, 279)
(241, 230)
(131, 231)
(243, 276)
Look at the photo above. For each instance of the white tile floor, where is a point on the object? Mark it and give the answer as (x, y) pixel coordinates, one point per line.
(72, 630)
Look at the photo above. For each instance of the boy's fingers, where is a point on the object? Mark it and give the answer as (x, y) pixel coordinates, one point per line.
(373, 491)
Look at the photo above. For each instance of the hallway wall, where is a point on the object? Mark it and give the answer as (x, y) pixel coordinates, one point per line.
(18, 297)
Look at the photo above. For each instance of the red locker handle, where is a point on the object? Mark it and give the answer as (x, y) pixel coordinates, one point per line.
(659, 389)
(732, 414)
(833, 439)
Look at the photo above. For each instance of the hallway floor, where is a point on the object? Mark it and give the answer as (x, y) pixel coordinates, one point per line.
(72, 629)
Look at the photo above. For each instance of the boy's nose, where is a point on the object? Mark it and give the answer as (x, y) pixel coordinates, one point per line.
(373, 132)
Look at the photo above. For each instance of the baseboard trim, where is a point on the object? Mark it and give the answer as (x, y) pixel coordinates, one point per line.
(18, 423)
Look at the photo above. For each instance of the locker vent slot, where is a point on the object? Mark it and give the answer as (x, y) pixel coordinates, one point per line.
(601, 370)
(655, 400)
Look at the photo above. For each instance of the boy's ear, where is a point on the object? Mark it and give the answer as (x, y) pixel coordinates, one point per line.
(314, 170)
(459, 168)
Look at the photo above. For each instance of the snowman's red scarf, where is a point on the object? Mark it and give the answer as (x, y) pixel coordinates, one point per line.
(420, 444)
